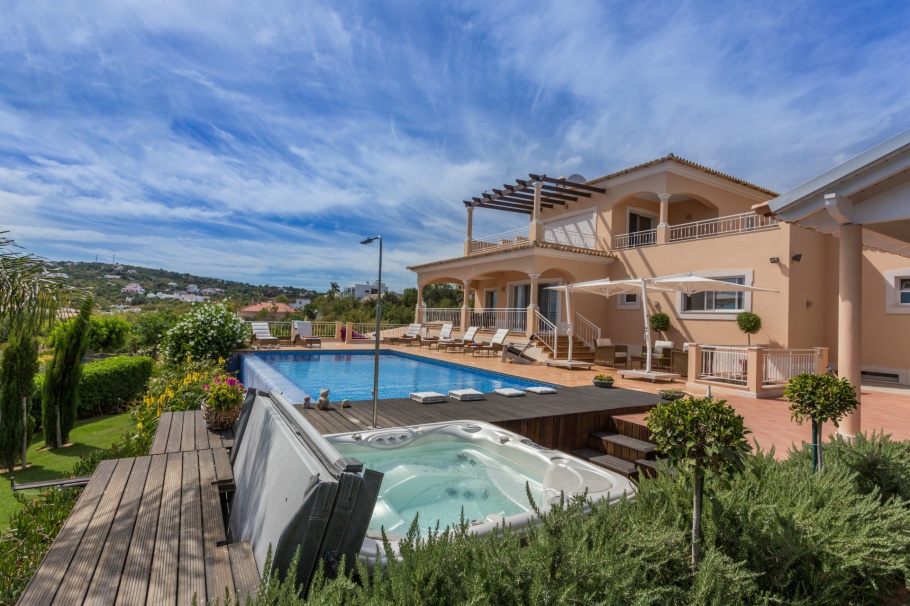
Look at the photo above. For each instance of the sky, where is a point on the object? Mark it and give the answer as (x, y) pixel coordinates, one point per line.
(262, 141)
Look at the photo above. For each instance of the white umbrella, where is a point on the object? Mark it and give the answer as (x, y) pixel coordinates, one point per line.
(684, 283)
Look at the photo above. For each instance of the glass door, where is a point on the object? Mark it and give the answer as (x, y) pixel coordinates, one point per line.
(548, 301)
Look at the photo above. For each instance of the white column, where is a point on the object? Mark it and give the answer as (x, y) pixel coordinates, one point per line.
(664, 208)
(849, 317)
(465, 310)
(535, 282)
(536, 234)
(470, 234)
(419, 307)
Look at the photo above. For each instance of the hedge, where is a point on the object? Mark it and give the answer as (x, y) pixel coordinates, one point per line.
(108, 383)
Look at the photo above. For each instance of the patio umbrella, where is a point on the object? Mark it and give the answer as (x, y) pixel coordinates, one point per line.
(685, 283)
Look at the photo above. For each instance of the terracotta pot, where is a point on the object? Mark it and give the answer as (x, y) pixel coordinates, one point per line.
(220, 419)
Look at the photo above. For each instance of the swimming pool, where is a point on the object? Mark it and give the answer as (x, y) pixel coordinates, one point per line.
(349, 374)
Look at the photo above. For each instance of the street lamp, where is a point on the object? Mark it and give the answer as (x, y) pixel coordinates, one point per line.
(376, 334)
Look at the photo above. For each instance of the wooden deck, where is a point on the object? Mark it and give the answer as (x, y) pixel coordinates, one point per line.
(561, 421)
(150, 530)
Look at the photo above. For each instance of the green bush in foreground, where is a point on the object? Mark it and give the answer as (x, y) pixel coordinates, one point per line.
(112, 383)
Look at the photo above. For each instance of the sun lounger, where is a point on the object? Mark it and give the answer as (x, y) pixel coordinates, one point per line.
(516, 353)
(495, 345)
(263, 336)
(411, 336)
(451, 344)
(445, 333)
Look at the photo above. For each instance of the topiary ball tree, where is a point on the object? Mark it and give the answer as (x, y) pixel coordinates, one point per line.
(660, 322)
(699, 435)
(749, 323)
(819, 398)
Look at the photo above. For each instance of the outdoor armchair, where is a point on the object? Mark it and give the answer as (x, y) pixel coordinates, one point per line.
(608, 354)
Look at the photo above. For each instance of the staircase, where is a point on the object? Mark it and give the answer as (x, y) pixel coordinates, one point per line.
(624, 448)
(580, 351)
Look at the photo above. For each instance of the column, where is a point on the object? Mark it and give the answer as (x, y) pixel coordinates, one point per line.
(536, 234)
(465, 309)
(849, 317)
(531, 324)
(470, 234)
(419, 308)
(663, 227)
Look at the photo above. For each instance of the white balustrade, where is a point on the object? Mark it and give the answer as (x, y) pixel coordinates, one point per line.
(724, 364)
(440, 315)
(781, 365)
(325, 330)
(502, 241)
(515, 319)
(722, 226)
(586, 331)
(546, 332)
(635, 239)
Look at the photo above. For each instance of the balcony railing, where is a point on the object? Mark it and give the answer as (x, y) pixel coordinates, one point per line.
(440, 315)
(502, 241)
(781, 365)
(515, 319)
(635, 239)
(722, 226)
(724, 364)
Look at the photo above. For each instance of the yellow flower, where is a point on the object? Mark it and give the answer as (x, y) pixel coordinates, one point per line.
(139, 425)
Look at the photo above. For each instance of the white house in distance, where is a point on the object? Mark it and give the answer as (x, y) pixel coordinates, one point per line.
(359, 291)
(133, 288)
(192, 288)
(300, 303)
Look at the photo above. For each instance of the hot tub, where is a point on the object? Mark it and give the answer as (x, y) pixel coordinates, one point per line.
(438, 470)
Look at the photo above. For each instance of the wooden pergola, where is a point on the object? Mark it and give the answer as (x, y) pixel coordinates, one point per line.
(519, 198)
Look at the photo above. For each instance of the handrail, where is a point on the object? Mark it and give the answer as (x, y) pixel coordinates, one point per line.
(513, 318)
(434, 315)
(647, 237)
(501, 241)
(721, 226)
(586, 331)
(546, 332)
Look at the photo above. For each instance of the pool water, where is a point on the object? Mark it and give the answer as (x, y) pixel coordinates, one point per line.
(349, 375)
(438, 480)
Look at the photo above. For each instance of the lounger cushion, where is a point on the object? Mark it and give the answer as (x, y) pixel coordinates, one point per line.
(509, 392)
(540, 390)
(466, 395)
(428, 397)
(604, 342)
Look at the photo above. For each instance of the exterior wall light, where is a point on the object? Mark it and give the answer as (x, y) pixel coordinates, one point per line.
(798, 257)
(775, 259)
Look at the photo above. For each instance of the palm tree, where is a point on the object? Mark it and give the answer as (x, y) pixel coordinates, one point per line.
(28, 297)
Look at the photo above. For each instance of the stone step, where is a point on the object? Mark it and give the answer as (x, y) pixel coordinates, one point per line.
(597, 457)
(616, 443)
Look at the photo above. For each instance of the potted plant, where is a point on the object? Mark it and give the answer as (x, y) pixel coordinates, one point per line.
(602, 380)
(223, 401)
(749, 323)
(672, 394)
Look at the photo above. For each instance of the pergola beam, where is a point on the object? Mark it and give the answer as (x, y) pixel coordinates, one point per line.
(567, 183)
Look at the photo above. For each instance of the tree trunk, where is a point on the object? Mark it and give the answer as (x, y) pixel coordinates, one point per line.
(814, 446)
(696, 515)
(25, 435)
(59, 435)
(818, 442)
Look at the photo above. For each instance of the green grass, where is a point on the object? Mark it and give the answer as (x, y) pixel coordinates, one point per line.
(87, 436)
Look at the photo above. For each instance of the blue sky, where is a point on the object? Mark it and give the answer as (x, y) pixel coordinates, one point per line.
(262, 141)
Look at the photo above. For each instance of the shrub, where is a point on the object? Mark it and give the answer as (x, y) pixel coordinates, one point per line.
(61, 380)
(749, 323)
(113, 383)
(207, 331)
(173, 388)
(17, 372)
(108, 333)
(223, 392)
(149, 330)
(819, 398)
(660, 322)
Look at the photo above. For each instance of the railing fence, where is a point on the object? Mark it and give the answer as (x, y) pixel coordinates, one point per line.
(440, 315)
(721, 226)
(546, 332)
(724, 364)
(515, 319)
(586, 330)
(781, 365)
(635, 239)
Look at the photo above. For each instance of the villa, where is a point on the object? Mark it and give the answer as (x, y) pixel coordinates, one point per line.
(673, 216)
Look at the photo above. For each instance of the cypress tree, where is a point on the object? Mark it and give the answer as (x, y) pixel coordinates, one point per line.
(60, 399)
(17, 374)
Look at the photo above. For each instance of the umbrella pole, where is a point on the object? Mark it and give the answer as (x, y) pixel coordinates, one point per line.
(569, 323)
(644, 311)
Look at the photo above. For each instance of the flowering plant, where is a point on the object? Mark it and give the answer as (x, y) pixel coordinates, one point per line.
(207, 331)
(224, 392)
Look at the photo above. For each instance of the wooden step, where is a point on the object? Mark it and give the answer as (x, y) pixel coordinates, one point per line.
(625, 447)
(596, 457)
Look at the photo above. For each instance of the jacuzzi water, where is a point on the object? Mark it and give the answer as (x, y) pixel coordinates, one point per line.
(435, 471)
(349, 374)
(440, 480)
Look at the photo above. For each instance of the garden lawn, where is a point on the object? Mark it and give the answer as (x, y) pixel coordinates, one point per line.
(98, 433)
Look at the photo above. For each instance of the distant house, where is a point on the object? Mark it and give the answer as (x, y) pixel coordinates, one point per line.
(112, 277)
(192, 298)
(192, 288)
(274, 311)
(133, 288)
(301, 303)
(56, 275)
(359, 291)
(131, 271)
(211, 291)
(172, 284)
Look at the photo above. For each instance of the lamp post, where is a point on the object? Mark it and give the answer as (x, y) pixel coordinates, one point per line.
(376, 335)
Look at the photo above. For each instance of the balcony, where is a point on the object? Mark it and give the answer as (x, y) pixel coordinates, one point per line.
(520, 238)
(698, 230)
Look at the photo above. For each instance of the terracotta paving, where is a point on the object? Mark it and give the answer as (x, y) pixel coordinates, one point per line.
(884, 408)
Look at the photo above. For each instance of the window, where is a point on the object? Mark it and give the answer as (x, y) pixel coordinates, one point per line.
(897, 291)
(628, 299)
(905, 291)
(718, 301)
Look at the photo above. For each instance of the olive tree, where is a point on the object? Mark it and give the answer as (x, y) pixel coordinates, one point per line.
(819, 398)
(699, 435)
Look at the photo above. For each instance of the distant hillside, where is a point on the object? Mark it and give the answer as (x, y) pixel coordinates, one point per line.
(107, 290)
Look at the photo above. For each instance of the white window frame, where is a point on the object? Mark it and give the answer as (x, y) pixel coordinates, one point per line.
(729, 315)
(623, 303)
(640, 211)
(485, 291)
(893, 291)
(509, 285)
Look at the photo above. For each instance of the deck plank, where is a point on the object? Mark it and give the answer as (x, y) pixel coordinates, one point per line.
(202, 432)
(191, 566)
(44, 585)
(162, 588)
(176, 433)
(213, 533)
(106, 580)
(188, 436)
(243, 569)
(159, 444)
(223, 472)
(136, 572)
(224, 578)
